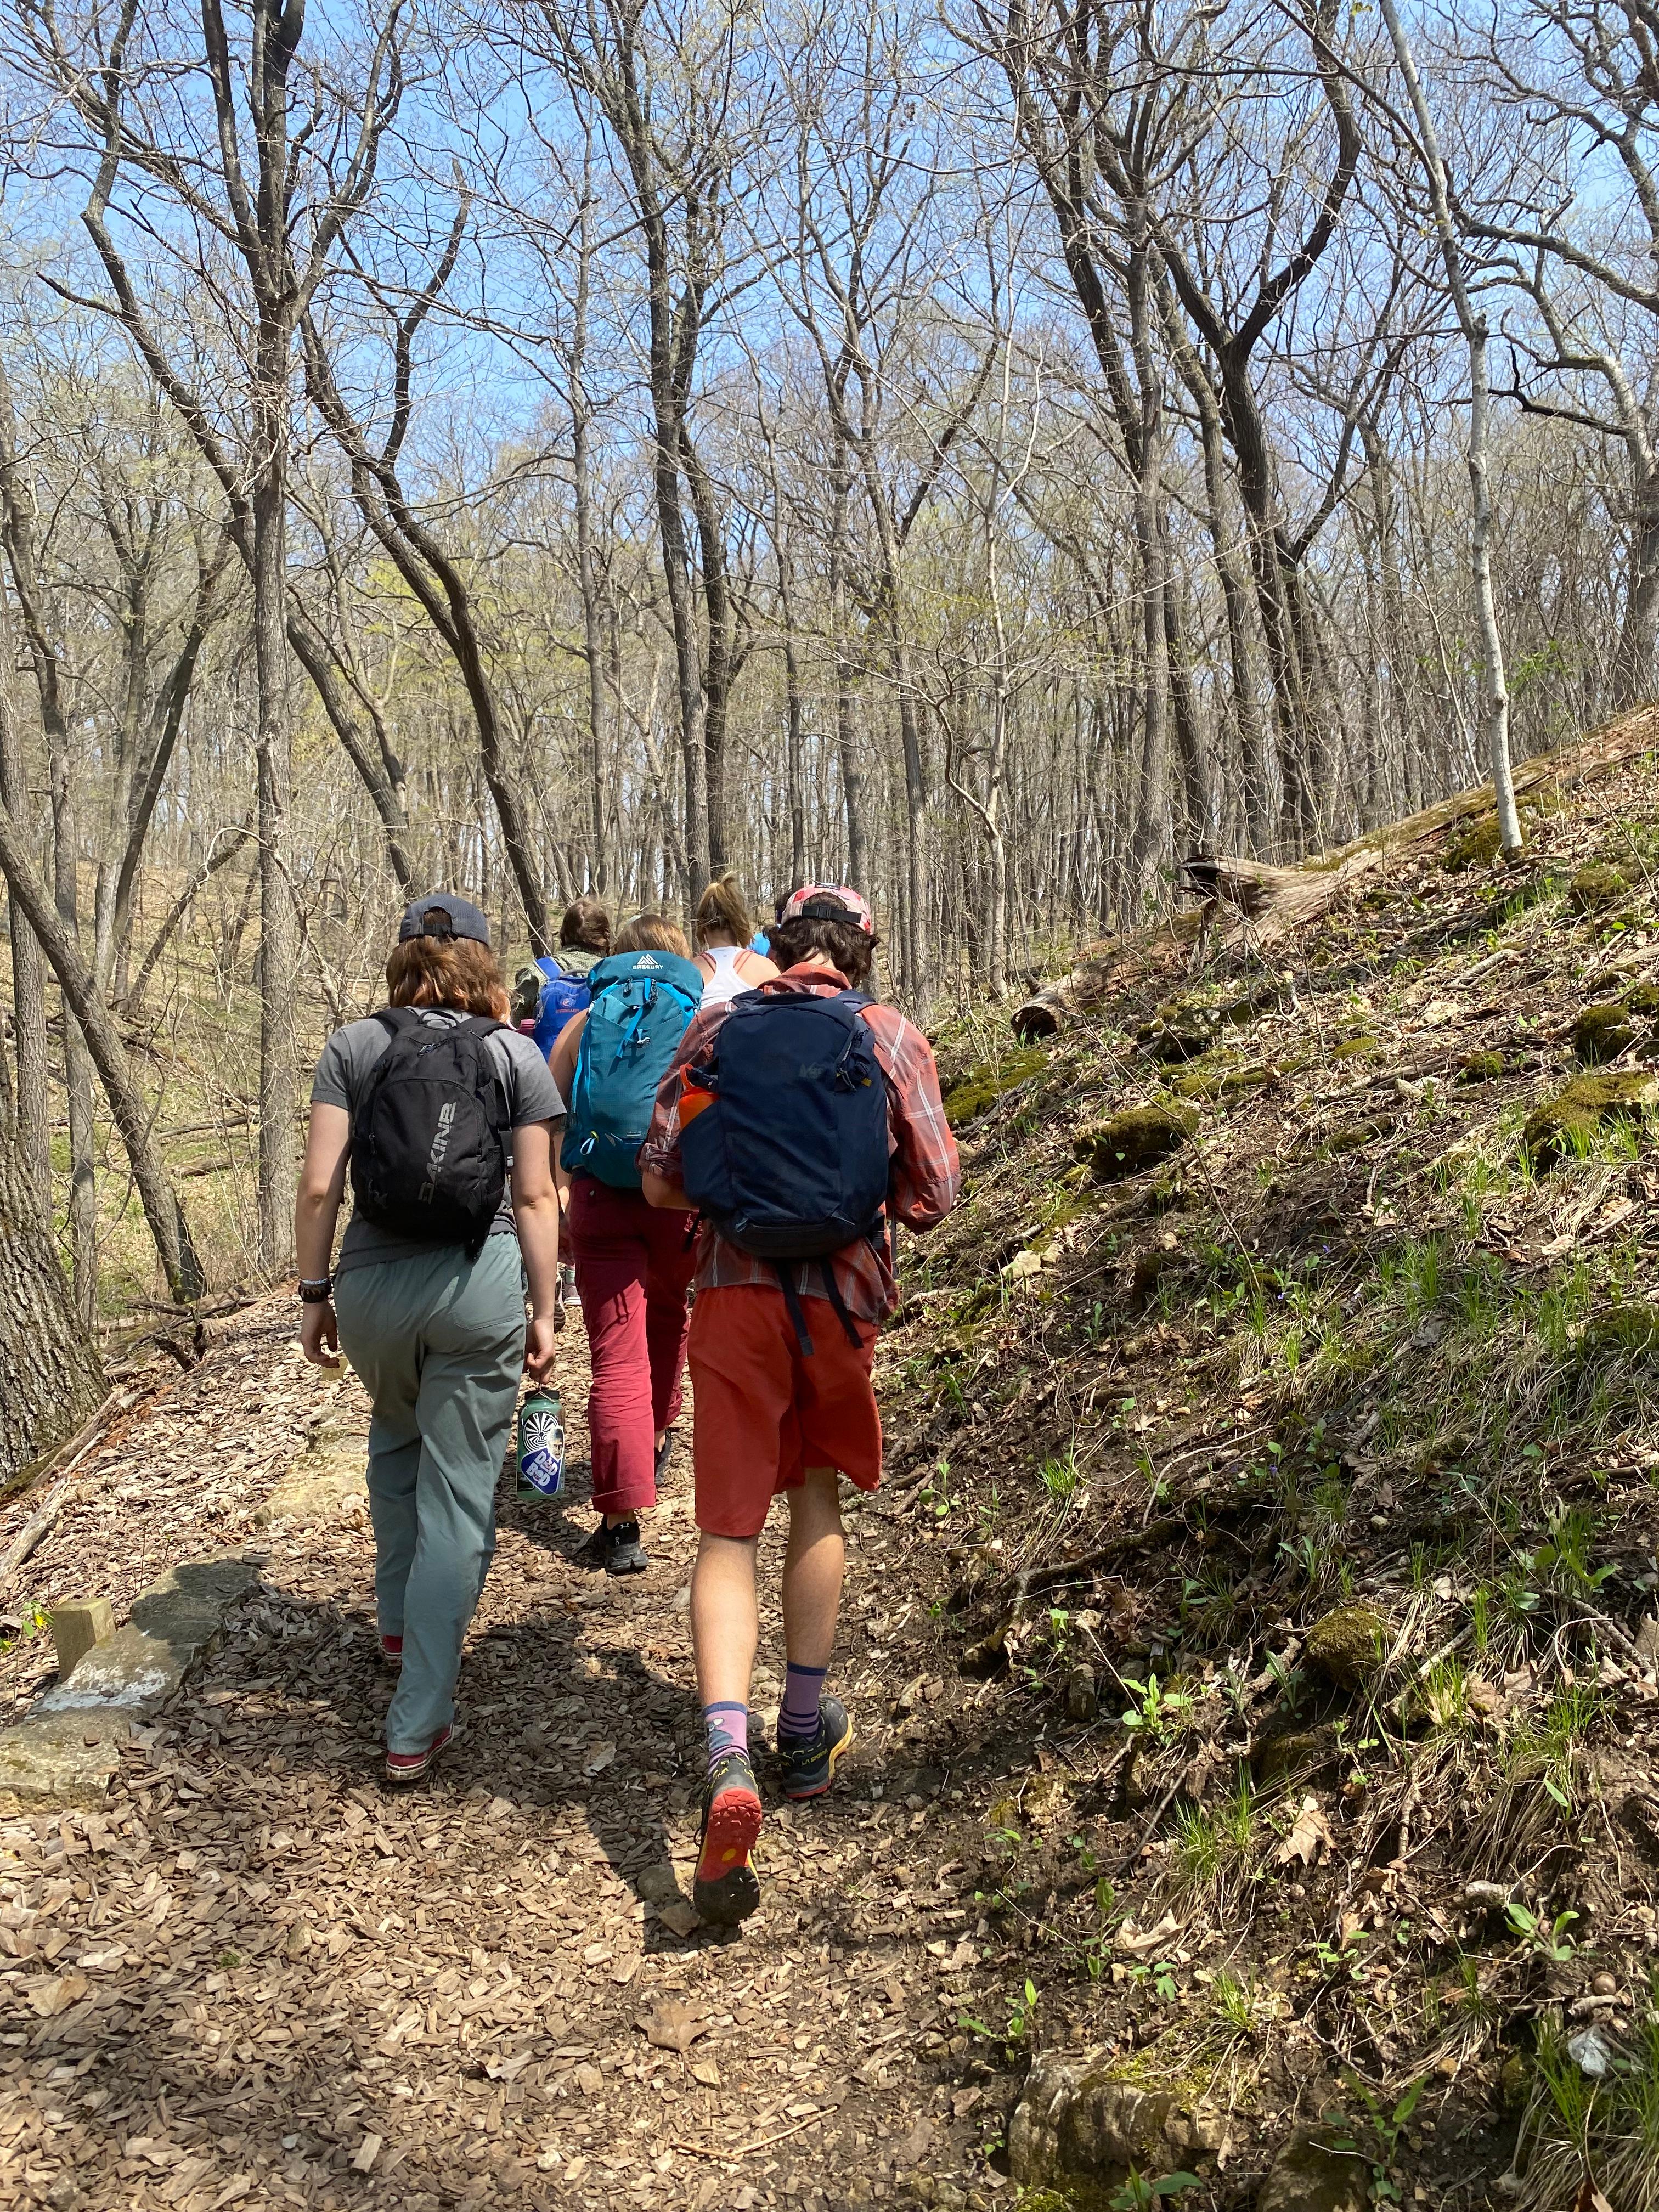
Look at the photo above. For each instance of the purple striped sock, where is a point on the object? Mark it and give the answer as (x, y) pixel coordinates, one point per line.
(727, 1725)
(803, 1687)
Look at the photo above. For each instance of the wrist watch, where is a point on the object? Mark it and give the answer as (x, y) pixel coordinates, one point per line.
(316, 1294)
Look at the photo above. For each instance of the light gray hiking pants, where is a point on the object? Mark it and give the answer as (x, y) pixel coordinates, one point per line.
(438, 1339)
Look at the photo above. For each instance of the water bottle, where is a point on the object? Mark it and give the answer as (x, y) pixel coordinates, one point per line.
(541, 1448)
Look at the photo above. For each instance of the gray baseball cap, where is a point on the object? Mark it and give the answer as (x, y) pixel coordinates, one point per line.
(442, 914)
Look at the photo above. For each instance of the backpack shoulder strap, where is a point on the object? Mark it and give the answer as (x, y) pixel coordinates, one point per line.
(396, 1021)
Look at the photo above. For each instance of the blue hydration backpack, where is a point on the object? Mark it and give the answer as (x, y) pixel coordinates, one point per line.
(791, 1161)
(640, 1005)
(562, 995)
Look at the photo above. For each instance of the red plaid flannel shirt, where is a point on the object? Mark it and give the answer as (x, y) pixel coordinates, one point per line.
(926, 1176)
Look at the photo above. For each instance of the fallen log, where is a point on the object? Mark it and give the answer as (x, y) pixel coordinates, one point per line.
(1266, 903)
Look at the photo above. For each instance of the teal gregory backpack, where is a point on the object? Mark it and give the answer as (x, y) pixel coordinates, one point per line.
(641, 1005)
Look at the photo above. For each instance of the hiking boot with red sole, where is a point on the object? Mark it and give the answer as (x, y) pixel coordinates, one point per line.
(809, 1762)
(725, 1889)
(403, 1767)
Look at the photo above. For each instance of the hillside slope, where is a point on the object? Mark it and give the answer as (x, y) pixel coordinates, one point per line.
(1286, 1392)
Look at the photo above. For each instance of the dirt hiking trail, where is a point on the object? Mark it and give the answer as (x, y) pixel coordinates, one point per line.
(255, 1979)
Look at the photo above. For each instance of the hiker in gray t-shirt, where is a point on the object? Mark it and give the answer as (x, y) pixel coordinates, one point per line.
(427, 1296)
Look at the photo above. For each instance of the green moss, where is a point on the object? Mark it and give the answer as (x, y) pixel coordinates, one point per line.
(1477, 847)
(1622, 1329)
(1361, 1132)
(1602, 1033)
(1221, 1080)
(1597, 886)
(1184, 1030)
(1352, 1048)
(1480, 1067)
(984, 1086)
(1124, 1144)
(1348, 1646)
(1568, 1123)
(1641, 999)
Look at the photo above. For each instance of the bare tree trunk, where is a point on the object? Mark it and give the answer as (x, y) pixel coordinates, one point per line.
(49, 1375)
(279, 943)
(31, 1138)
(127, 1104)
(1639, 634)
(1151, 805)
(1473, 321)
(851, 773)
(77, 1064)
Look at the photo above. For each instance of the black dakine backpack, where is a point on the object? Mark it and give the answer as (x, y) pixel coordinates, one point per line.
(429, 1139)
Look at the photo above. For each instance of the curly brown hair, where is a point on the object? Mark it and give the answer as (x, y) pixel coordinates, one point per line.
(456, 972)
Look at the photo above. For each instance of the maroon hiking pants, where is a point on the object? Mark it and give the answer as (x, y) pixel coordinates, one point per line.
(633, 1263)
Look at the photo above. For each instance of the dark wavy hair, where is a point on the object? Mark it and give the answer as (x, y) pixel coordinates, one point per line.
(843, 945)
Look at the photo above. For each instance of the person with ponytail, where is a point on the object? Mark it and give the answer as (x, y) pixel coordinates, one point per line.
(723, 926)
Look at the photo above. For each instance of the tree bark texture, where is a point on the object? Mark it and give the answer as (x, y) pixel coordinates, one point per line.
(49, 1374)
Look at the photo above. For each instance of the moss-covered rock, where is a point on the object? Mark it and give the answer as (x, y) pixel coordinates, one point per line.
(1220, 1081)
(1081, 2127)
(1641, 999)
(984, 1086)
(1480, 1067)
(1620, 1331)
(1124, 1144)
(1569, 1122)
(1476, 847)
(1602, 1031)
(1356, 1134)
(1184, 1030)
(1353, 1047)
(1348, 1646)
(1597, 886)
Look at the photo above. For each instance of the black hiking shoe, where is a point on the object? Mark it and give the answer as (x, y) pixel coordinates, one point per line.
(618, 1551)
(724, 1889)
(809, 1762)
(664, 1453)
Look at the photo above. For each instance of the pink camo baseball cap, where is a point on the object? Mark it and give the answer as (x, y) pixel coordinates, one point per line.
(831, 902)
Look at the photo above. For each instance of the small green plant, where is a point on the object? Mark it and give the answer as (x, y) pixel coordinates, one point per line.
(1022, 2010)
(1158, 1713)
(936, 1490)
(230, 1961)
(1561, 1564)
(1386, 2126)
(1549, 1939)
(1131, 2195)
(1060, 1478)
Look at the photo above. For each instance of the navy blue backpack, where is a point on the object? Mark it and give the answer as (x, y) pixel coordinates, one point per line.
(791, 1161)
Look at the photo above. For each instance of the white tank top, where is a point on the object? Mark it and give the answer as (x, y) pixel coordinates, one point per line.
(726, 982)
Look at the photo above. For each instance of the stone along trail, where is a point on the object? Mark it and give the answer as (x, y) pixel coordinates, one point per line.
(252, 1978)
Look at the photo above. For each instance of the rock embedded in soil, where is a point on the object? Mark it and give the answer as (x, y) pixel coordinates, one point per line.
(1596, 887)
(1081, 2128)
(1477, 847)
(1570, 1122)
(1082, 1699)
(984, 1086)
(1347, 1646)
(1602, 1033)
(1308, 2176)
(1124, 1143)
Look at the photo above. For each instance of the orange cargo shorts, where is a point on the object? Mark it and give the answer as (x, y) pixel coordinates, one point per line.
(764, 1413)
